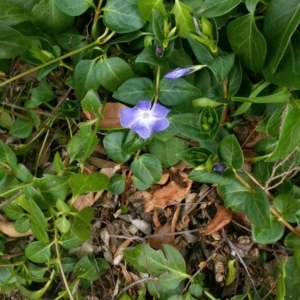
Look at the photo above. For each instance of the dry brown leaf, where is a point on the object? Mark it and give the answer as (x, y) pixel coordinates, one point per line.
(111, 115)
(162, 235)
(83, 201)
(167, 195)
(222, 218)
(8, 228)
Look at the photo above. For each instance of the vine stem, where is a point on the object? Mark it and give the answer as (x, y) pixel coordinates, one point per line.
(60, 265)
(157, 84)
(97, 42)
(274, 212)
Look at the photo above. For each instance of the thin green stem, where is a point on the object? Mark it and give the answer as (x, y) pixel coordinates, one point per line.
(157, 84)
(209, 295)
(20, 187)
(97, 42)
(97, 11)
(259, 89)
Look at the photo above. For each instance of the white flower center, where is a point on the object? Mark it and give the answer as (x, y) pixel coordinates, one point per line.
(146, 115)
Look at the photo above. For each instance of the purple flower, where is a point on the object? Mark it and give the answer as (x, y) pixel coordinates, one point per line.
(179, 72)
(159, 51)
(144, 119)
(219, 168)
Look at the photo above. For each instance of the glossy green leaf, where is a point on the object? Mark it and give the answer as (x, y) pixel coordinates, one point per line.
(288, 71)
(287, 205)
(146, 260)
(32, 193)
(133, 142)
(5, 120)
(281, 20)
(48, 17)
(201, 51)
(166, 151)
(13, 211)
(113, 145)
(216, 8)
(70, 109)
(149, 56)
(62, 207)
(85, 269)
(158, 21)
(147, 168)
(22, 225)
(234, 195)
(183, 19)
(12, 43)
(139, 184)
(174, 92)
(52, 188)
(83, 183)
(194, 156)
(292, 279)
(116, 184)
(70, 240)
(230, 152)
(83, 143)
(209, 123)
(135, 89)
(41, 94)
(62, 224)
(289, 136)
(85, 78)
(267, 235)
(81, 223)
(187, 124)
(221, 65)
(123, 16)
(292, 240)
(247, 42)
(251, 5)
(203, 176)
(91, 103)
(73, 7)
(257, 209)
(234, 78)
(7, 156)
(21, 128)
(112, 72)
(39, 233)
(3, 175)
(38, 252)
(145, 8)
(13, 13)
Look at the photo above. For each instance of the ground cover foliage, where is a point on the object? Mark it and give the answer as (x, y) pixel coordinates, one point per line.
(196, 197)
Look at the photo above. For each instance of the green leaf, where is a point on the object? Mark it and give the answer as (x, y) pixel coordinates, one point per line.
(216, 8)
(22, 225)
(292, 240)
(112, 72)
(234, 78)
(209, 122)
(187, 124)
(63, 225)
(84, 269)
(146, 260)
(195, 156)
(70, 109)
(133, 142)
(39, 233)
(41, 94)
(116, 184)
(135, 89)
(257, 209)
(247, 42)
(166, 151)
(122, 17)
(13, 13)
(83, 183)
(287, 205)
(21, 128)
(148, 56)
(13, 211)
(139, 184)
(234, 195)
(201, 51)
(224, 178)
(52, 188)
(5, 120)
(289, 137)
(38, 252)
(267, 235)
(173, 92)
(292, 279)
(145, 8)
(12, 43)
(281, 20)
(83, 143)
(221, 65)
(3, 175)
(158, 24)
(70, 240)
(147, 168)
(85, 78)
(183, 18)
(288, 71)
(62, 207)
(73, 7)
(81, 223)
(48, 17)
(31, 193)
(7, 156)
(91, 103)
(113, 145)
(230, 152)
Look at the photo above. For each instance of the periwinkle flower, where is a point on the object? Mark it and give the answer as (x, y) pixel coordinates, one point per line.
(159, 51)
(144, 119)
(219, 168)
(179, 72)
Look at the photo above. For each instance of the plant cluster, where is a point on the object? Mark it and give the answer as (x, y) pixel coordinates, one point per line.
(153, 83)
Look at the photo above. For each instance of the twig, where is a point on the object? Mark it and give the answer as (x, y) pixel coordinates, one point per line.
(8, 201)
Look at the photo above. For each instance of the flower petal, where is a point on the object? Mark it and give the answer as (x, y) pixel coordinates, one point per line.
(179, 72)
(128, 116)
(143, 105)
(159, 111)
(160, 125)
(142, 129)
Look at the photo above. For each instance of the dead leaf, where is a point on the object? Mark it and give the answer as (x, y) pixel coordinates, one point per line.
(167, 195)
(162, 235)
(221, 219)
(8, 228)
(111, 115)
(83, 201)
